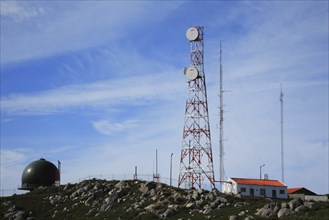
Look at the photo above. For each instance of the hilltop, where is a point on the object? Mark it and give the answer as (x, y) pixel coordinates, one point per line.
(101, 199)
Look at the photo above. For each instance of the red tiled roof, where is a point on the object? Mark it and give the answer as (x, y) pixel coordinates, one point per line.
(292, 190)
(260, 182)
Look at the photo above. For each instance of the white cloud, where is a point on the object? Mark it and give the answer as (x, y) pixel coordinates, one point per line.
(109, 128)
(12, 157)
(20, 11)
(57, 31)
(102, 93)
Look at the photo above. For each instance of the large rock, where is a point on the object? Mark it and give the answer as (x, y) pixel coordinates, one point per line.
(20, 215)
(121, 184)
(151, 208)
(222, 199)
(265, 212)
(301, 209)
(295, 203)
(283, 212)
(233, 217)
(215, 203)
(309, 204)
(190, 205)
(171, 210)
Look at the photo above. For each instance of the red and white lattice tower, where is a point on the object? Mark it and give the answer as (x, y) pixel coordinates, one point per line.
(196, 163)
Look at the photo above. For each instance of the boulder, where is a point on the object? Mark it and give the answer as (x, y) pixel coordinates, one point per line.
(222, 199)
(190, 205)
(151, 208)
(169, 212)
(215, 203)
(196, 194)
(199, 204)
(121, 184)
(20, 215)
(276, 209)
(309, 204)
(295, 203)
(301, 209)
(233, 217)
(89, 201)
(242, 213)
(264, 212)
(283, 212)
(152, 192)
(240, 204)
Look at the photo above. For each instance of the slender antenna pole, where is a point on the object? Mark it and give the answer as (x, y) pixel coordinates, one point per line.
(156, 176)
(282, 152)
(221, 120)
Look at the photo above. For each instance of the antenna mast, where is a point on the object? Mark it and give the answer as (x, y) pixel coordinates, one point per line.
(282, 153)
(196, 163)
(221, 120)
(156, 176)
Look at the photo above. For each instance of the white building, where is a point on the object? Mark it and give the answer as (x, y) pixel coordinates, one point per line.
(256, 187)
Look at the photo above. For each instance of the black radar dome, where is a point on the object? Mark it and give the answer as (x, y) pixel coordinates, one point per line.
(39, 173)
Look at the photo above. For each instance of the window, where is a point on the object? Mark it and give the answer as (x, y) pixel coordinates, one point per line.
(243, 189)
(262, 192)
(282, 191)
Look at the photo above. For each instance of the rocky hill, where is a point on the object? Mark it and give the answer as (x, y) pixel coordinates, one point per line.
(101, 199)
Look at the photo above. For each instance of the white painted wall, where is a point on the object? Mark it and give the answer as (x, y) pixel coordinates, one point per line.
(316, 198)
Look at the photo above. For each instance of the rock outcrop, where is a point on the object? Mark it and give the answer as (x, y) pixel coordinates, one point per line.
(135, 199)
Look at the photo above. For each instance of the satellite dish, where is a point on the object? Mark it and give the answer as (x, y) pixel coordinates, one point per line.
(192, 34)
(191, 73)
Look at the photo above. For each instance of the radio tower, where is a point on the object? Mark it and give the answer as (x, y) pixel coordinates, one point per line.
(196, 163)
(221, 120)
(282, 155)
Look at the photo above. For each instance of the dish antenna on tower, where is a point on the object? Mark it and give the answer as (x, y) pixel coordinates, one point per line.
(196, 163)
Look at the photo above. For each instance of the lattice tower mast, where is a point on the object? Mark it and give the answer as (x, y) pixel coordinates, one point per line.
(221, 120)
(196, 162)
(282, 152)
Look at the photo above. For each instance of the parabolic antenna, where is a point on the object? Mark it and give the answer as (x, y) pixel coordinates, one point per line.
(191, 73)
(192, 34)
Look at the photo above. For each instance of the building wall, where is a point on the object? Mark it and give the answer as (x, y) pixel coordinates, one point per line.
(255, 190)
(316, 198)
(230, 187)
(309, 197)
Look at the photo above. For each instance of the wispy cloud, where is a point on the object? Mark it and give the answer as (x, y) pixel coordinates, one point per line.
(109, 128)
(20, 11)
(103, 93)
(12, 157)
(55, 27)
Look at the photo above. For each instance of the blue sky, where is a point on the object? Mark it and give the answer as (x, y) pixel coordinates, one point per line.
(99, 86)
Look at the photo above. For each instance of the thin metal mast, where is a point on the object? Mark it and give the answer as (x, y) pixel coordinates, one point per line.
(156, 176)
(221, 120)
(282, 152)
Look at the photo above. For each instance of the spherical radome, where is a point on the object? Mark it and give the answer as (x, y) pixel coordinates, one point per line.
(39, 173)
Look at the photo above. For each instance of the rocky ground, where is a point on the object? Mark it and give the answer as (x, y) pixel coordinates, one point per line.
(101, 199)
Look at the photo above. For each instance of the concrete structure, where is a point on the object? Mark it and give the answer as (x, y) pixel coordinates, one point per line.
(305, 194)
(256, 187)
